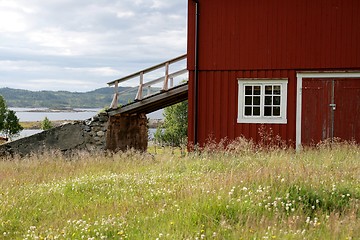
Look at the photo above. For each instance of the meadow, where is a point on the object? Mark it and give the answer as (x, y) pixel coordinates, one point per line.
(236, 193)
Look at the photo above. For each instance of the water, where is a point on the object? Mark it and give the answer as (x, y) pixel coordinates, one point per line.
(38, 114)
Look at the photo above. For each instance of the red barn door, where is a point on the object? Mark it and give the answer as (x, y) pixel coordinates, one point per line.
(330, 108)
(347, 113)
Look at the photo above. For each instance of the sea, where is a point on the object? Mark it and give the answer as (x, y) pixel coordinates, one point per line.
(38, 114)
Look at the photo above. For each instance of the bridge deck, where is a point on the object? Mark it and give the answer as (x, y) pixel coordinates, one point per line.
(155, 102)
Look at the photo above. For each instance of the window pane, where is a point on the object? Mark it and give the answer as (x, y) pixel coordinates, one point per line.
(268, 90)
(276, 111)
(257, 101)
(247, 111)
(256, 111)
(248, 90)
(277, 100)
(267, 111)
(277, 90)
(257, 90)
(268, 100)
(248, 100)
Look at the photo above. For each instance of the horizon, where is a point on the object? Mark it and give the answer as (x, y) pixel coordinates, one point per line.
(57, 90)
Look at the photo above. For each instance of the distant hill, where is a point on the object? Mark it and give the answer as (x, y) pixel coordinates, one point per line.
(98, 98)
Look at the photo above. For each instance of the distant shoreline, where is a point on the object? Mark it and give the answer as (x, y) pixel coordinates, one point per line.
(55, 110)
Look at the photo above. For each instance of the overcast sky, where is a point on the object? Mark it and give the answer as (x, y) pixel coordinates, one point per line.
(80, 45)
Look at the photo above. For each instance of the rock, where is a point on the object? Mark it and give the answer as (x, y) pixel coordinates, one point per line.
(87, 128)
(100, 133)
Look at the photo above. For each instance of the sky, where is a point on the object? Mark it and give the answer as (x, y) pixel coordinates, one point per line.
(80, 45)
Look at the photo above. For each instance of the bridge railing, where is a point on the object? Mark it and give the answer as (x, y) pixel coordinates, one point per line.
(166, 80)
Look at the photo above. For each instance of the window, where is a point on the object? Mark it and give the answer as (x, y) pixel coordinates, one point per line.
(262, 101)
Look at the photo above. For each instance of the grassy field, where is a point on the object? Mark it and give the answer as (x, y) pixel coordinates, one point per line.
(216, 194)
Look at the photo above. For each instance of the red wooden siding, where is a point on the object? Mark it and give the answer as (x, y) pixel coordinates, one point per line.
(218, 106)
(280, 34)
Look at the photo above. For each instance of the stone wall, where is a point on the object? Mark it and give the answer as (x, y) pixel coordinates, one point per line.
(89, 135)
(100, 133)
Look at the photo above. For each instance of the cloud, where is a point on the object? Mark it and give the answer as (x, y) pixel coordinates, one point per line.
(62, 43)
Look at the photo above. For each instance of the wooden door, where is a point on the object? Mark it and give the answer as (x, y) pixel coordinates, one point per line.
(316, 115)
(347, 113)
(330, 108)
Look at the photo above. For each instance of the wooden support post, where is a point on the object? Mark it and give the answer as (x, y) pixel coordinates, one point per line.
(140, 90)
(126, 131)
(115, 101)
(165, 86)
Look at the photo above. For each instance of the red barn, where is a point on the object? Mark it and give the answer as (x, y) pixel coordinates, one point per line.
(292, 66)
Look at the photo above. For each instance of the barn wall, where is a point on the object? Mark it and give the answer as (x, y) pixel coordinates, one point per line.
(280, 34)
(264, 39)
(218, 103)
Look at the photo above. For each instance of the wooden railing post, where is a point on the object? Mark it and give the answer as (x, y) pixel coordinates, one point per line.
(140, 90)
(165, 86)
(115, 101)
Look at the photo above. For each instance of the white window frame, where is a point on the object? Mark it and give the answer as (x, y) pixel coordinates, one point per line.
(282, 119)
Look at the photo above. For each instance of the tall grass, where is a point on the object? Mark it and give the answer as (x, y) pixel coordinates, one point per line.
(241, 193)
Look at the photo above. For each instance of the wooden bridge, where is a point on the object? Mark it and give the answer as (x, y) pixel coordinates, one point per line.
(170, 92)
(156, 87)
